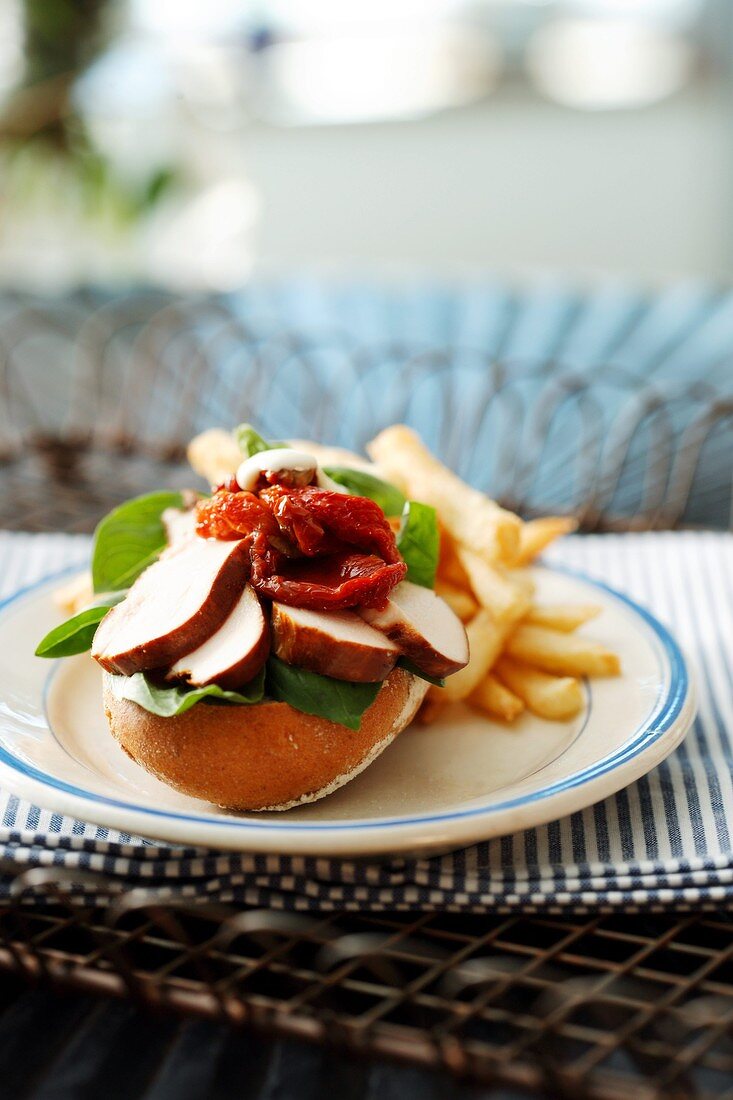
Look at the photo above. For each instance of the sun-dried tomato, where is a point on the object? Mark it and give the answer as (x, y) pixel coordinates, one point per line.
(357, 521)
(296, 522)
(333, 582)
(228, 516)
(231, 485)
(309, 547)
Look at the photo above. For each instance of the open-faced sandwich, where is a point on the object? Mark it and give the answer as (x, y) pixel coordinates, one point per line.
(264, 642)
(267, 641)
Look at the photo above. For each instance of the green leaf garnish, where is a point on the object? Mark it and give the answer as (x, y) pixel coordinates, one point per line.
(418, 542)
(409, 666)
(362, 484)
(323, 696)
(251, 442)
(172, 699)
(306, 691)
(76, 634)
(129, 539)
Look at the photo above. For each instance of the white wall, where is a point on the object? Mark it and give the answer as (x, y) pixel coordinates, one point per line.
(513, 183)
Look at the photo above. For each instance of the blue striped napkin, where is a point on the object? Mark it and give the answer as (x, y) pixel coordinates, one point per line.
(664, 842)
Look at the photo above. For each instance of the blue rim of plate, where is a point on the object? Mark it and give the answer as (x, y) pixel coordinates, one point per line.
(665, 711)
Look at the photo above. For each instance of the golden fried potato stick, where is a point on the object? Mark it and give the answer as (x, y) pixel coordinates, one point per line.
(485, 641)
(430, 711)
(332, 456)
(473, 519)
(460, 600)
(506, 597)
(449, 567)
(522, 577)
(214, 455)
(556, 697)
(75, 595)
(564, 654)
(496, 699)
(565, 617)
(537, 534)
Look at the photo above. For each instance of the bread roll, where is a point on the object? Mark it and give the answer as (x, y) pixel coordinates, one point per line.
(267, 756)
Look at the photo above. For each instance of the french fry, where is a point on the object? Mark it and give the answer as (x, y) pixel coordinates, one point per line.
(507, 598)
(459, 599)
(331, 456)
(214, 455)
(496, 699)
(452, 572)
(472, 518)
(523, 578)
(565, 617)
(564, 654)
(555, 697)
(75, 595)
(430, 711)
(449, 566)
(485, 640)
(537, 534)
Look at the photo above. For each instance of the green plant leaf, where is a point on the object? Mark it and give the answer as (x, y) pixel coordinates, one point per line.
(129, 539)
(418, 542)
(169, 700)
(337, 700)
(251, 442)
(158, 185)
(362, 484)
(76, 634)
(410, 666)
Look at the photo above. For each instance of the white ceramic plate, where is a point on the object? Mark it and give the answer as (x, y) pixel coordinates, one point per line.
(458, 781)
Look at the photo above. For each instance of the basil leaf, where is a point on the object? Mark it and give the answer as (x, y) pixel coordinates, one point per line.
(76, 634)
(251, 442)
(418, 542)
(170, 700)
(337, 700)
(362, 484)
(129, 539)
(409, 666)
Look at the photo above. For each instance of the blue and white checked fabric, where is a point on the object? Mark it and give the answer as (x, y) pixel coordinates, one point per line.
(663, 843)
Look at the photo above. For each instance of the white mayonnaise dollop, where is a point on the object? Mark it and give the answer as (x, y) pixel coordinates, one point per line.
(282, 458)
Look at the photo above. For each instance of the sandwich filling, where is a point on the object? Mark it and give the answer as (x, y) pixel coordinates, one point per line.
(287, 582)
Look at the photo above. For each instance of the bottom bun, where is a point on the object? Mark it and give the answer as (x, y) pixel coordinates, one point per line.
(267, 756)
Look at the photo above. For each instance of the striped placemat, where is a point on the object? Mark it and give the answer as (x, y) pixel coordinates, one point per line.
(664, 842)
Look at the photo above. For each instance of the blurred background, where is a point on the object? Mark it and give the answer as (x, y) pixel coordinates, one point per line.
(507, 222)
(192, 143)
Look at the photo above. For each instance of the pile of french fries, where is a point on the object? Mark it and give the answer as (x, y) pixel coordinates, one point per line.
(525, 655)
